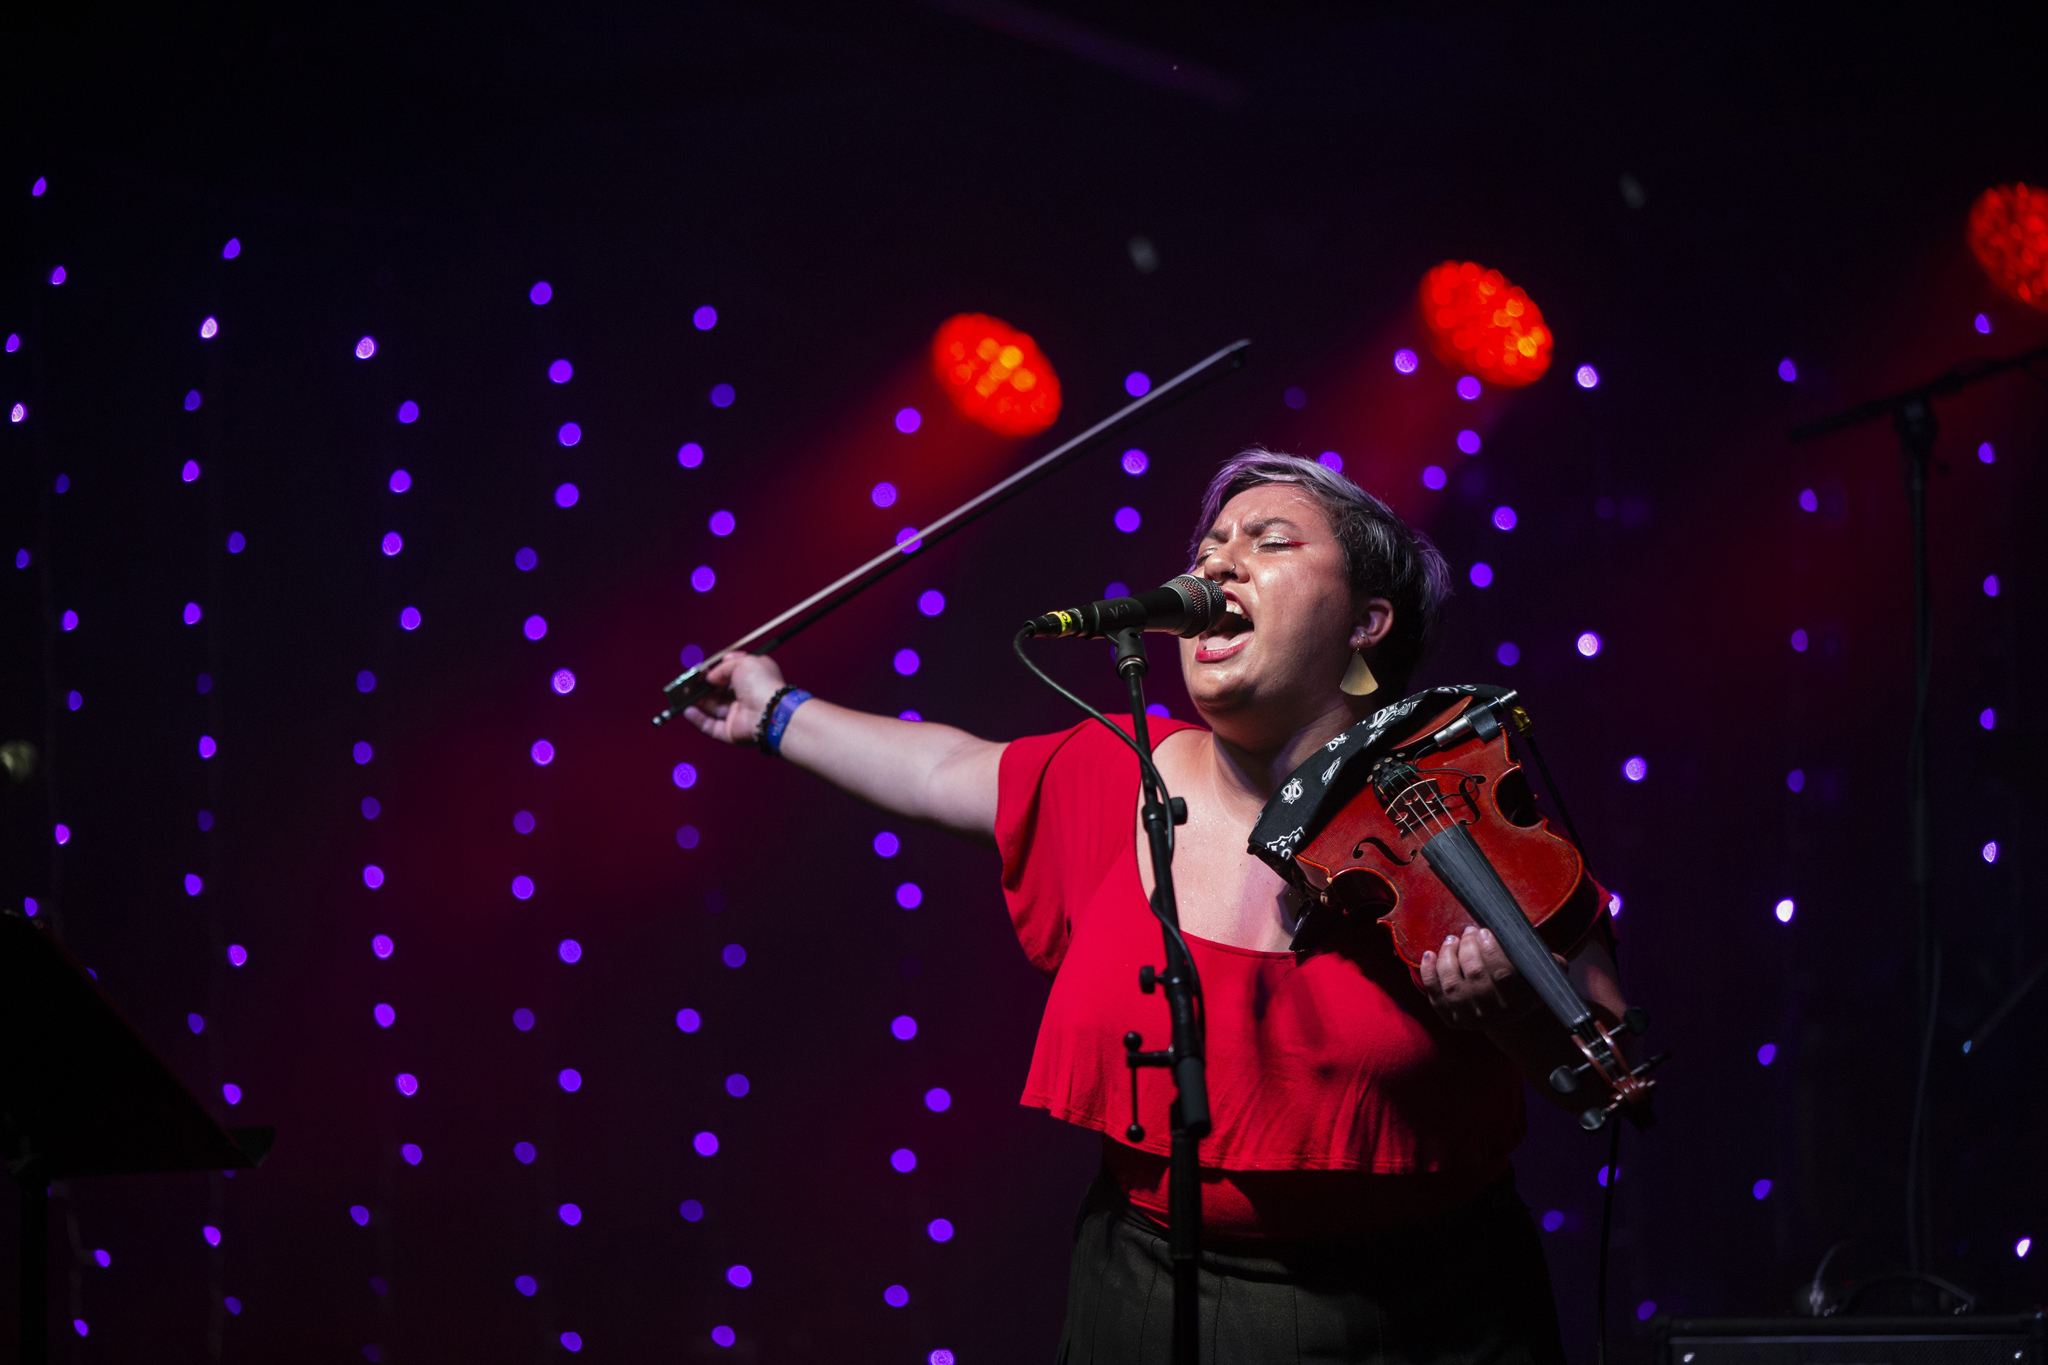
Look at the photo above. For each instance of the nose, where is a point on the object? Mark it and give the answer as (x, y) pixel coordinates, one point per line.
(1220, 566)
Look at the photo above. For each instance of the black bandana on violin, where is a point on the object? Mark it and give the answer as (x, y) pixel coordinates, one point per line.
(1320, 787)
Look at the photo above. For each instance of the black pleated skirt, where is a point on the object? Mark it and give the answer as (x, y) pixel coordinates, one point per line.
(1467, 1287)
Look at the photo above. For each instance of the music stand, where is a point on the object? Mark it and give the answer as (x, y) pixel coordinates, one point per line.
(81, 1094)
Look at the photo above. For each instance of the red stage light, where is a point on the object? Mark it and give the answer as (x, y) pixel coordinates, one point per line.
(995, 374)
(2009, 233)
(1480, 323)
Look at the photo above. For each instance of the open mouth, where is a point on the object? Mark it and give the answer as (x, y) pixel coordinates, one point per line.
(1229, 635)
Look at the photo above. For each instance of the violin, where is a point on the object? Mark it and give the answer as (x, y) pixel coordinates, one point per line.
(1427, 823)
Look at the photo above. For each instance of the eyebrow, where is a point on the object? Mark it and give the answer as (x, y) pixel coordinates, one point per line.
(1253, 528)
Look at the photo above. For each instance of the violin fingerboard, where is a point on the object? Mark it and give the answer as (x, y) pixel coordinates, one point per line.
(1460, 864)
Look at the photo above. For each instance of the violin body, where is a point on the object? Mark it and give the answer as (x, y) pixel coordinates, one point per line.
(1368, 860)
(1435, 831)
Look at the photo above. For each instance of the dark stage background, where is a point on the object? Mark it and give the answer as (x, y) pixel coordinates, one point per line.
(1692, 198)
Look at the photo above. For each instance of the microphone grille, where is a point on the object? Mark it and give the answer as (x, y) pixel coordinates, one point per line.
(1204, 599)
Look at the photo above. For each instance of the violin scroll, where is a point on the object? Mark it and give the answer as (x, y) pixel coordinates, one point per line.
(1627, 1089)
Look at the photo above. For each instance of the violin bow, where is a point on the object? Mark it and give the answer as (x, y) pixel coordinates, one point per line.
(690, 686)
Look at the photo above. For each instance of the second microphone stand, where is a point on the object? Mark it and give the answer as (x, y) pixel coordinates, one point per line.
(1912, 414)
(1189, 1115)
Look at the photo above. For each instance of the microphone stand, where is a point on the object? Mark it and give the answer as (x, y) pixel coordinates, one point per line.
(1189, 1115)
(1912, 415)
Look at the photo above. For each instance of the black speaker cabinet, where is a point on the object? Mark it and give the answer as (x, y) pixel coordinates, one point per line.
(1844, 1340)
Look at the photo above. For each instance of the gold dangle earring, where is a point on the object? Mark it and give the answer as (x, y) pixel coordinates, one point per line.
(1358, 679)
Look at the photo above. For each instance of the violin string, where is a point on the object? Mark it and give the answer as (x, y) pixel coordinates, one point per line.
(1430, 800)
(1424, 802)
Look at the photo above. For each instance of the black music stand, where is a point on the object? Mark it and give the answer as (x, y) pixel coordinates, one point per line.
(81, 1094)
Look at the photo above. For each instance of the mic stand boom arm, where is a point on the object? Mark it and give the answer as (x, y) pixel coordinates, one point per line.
(689, 687)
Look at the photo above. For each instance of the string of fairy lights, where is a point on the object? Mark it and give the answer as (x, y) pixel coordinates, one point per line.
(207, 470)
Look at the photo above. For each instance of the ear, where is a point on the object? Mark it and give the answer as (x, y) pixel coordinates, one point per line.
(1375, 622)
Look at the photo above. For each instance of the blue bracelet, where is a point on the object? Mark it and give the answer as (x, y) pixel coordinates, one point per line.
(771, 740)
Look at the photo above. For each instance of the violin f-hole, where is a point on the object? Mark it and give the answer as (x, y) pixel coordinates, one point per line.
(1396, 859)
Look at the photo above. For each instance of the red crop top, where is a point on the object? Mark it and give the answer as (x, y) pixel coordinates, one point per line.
(1340, 1102)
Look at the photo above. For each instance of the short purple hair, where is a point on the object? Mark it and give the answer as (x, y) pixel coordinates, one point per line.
(1383, 555)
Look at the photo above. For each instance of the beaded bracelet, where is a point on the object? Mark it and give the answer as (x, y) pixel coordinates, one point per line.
(767, 715)
(775, 719)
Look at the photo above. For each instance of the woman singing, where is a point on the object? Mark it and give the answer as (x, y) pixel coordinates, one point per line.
(1357, 1198)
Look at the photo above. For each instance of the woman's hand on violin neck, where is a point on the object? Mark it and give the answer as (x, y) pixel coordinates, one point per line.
(1471, 984)
(744, 683)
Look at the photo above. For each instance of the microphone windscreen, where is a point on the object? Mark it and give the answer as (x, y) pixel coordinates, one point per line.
(1204, 603)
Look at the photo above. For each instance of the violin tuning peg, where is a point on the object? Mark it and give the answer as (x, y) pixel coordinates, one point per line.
(1593, 1120)
(1565, 1079)
(1636, 1020)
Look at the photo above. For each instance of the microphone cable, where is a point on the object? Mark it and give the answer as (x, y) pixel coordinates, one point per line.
(1150, 775)
(1606, 1230)
(1527, 738)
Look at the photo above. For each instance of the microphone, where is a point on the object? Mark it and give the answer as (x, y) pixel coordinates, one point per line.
(1187, 606)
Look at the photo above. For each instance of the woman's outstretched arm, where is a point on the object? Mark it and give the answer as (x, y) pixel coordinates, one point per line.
(930, 773)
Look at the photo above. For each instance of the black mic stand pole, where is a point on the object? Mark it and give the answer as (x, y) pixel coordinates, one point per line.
(1912, 414)
(1190, 1113)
